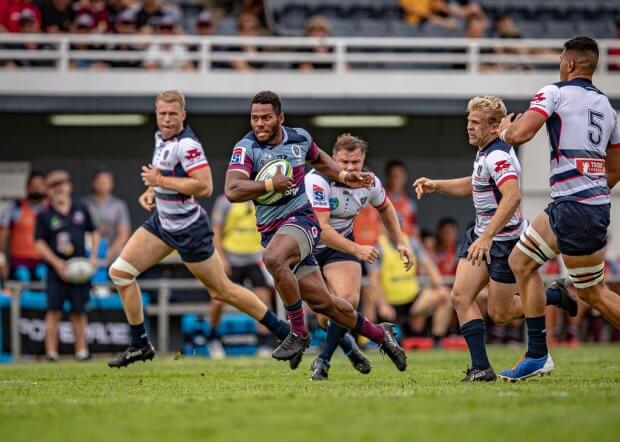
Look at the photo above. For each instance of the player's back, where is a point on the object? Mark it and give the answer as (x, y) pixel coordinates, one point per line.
(581, 124)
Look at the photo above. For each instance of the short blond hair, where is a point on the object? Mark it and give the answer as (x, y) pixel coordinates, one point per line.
(172, 96)
(493, 106)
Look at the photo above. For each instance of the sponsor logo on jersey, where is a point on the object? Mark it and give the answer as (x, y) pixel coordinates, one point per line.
(296, 151)
(318, 193)
(502, 165)
(334, 203)
(538, 98)
(238, 155)
(590, 166)
(193, 154)
(292, 192)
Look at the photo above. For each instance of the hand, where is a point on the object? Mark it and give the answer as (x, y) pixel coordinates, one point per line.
(281, 182)
(149, 175)
(480, 250)
(366, 253)
(405, 256)
(424, 185)
(386, 311)
(358, 180)
(147, 199)
(507, 121)
(60, 267)
(96, 262)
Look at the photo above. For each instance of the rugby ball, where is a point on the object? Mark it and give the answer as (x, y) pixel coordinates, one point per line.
(267, 172)
(79, 270)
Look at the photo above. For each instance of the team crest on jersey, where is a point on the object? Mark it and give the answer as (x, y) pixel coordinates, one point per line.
(363, 200)
(334, 203)
(78, 217)
(479, 171)
(238, 155)
(318, 193)
(296, 151)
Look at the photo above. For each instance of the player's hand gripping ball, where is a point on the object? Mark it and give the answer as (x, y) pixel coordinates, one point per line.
(281, 172)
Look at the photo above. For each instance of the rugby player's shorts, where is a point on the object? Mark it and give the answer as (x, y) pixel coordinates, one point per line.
(325, 255)
(194, 243)
(58, 291)
(499, 270)
(254, 273)
(580, 229)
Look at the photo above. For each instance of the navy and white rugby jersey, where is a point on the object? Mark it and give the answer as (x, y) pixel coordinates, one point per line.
(343, 202)
(582, 125)
(494, 165)
(178, 157)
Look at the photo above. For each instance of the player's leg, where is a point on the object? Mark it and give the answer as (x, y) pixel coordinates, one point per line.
(262, 284)
(470, 280)
(314, 292)
(536, 246)
(56, 292)
(587, 275)
(142, 251)
(435, 303)
(344, 279)
(214, 344)
(212, 275)
(503, 305)
(80, 294)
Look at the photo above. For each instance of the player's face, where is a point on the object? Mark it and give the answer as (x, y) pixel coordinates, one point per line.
(170, 117)
(265, 122)
(350, 160)
(479, 129)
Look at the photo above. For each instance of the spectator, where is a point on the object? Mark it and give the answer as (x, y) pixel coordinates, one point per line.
(85, 24)
(166, 56)
(402, 299)
(58, 16)
(396, 179)
(318, 27)
(366, 230)
(98, 11)
(447, 237)
(429, 242)
(125, 23)
(476, 28)
(416, 12)
(248, 26)
(14, 14)
(149, 14)
(60, 235)
(466, 9)
(204, 23)
(28, 24)
(110, 215)
(17, 227)
(116, 7)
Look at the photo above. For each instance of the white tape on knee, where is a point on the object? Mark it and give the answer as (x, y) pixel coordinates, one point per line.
(123, 266)
(541, 252)
(584, 277)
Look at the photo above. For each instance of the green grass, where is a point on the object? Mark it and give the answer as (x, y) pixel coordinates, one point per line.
(261, 400)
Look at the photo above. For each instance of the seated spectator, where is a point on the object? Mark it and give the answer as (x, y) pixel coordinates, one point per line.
(126, 24)
(396, 185)
(477, 27)
(446, 246)
(29, 24)
(318, 27)
(204, 23)
(85, 24)
(97, 9)
(116, 7)
(17, 227)
(150, 12)
(13, 14)
(58, 16)
(466, 9)
(429, 242)
(416, 12)
(248, 26)
(110, 215)
(505, 27)
(401, 298)
(167, 56)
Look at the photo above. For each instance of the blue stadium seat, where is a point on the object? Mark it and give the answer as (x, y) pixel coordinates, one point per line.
(560, 29)
(531, 29)
(597, 29)
(343, 28)
(227, 26)
(398, 28)
(373, 28)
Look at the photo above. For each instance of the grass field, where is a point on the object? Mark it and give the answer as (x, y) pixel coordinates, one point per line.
(261, 400)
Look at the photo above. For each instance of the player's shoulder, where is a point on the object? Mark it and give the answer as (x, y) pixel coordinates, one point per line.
(187, 138)
(497, 146)
(298, 135)
(578, 82)
(248, 141)
(317, 177)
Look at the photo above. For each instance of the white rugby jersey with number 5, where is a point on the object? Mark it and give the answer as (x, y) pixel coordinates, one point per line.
(582, 125)
(343, 202)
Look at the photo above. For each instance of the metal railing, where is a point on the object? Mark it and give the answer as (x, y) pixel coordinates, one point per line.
(163, 310)
(340, 55)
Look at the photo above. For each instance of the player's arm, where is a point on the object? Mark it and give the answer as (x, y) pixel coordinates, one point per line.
(336, 241)
(48, 255)
(523, 128)
(199, 183)
(389, 217)
(326, 165)
(454, 187)
(239, 187)
(509, 203)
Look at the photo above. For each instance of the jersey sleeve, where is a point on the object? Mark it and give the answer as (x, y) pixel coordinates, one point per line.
(220, 209)
(377, 195)
(546, 100)
(192, 155)
(614, 139)
(501, 167)
(317, 189)
(242, 159)
(312, 152)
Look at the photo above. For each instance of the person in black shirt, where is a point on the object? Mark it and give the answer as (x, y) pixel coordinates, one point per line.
(57, 15)
(60, 235)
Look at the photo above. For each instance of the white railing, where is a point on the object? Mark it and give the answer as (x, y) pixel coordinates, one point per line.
(343, 54)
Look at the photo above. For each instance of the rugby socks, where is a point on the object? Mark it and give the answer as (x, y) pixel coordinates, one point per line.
(366, 328)
(536, 337)
(295, 314)
(473, 332)
(335, 333)
(213, 334)
(347, 344)
(275, 325)
(138, 335)
(553, 296)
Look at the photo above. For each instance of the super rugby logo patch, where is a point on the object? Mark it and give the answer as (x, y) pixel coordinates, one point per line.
(318, 193)
(238, 155)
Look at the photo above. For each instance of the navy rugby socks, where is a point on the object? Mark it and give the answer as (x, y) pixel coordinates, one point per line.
(536, 337)
(138, 335)
(473, 332)
(275, 325)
